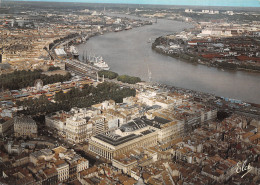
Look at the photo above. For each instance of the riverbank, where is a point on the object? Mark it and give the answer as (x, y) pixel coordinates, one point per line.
(196, 58)
(222, 103)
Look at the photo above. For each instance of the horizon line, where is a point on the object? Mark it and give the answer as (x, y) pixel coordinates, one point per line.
(203, 3)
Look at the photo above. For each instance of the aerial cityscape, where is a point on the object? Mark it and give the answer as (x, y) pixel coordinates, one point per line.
(129, 92)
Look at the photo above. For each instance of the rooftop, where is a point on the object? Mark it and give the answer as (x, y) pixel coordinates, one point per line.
(136, 124)
(24, 120)
(116, 140)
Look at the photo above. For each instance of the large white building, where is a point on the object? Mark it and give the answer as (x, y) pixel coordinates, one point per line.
(140, 132)
(79, 124)
(188, 11)
(24, 127)
(57, 121)
(75, 125)
(167, 130)
(76, 129)
(152, 98)
(129, 136)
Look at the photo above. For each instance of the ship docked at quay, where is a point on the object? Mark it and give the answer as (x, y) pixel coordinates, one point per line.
(95, 61)
(74, 51)
(100, 63)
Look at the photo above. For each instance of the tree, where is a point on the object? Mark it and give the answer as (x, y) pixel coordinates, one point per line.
(221, 115)
(107, 74)
(53, 68)
(22, 79)
(86, 97)
(128, 79)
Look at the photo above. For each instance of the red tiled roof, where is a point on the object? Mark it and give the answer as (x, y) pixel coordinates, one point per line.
(243, 58)
(212, 55)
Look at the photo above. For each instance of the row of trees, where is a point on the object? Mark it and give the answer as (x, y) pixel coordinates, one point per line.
(76, 97)
(122, 78)
(53, 68)
(22, 79)
(227, 65)
(63, 39)
(128, 79)
(107, 74)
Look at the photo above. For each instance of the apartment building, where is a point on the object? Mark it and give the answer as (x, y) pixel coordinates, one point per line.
(25, 126)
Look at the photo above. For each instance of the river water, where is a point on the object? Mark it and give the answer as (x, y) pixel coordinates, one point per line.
(129, 52)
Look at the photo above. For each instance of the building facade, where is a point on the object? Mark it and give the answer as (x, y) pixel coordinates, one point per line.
(76, 129)
(24, 127)
(129, 136)
(167, 130)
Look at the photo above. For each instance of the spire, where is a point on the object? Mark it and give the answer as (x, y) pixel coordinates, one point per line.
(86, 57)
(149, 75)
(149, 72)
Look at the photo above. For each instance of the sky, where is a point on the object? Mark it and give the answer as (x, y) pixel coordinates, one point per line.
(234, 3)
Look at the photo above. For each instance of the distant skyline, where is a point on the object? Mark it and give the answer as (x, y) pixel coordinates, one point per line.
(232, 3)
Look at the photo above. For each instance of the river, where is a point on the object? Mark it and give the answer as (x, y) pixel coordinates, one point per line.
(129, 52)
